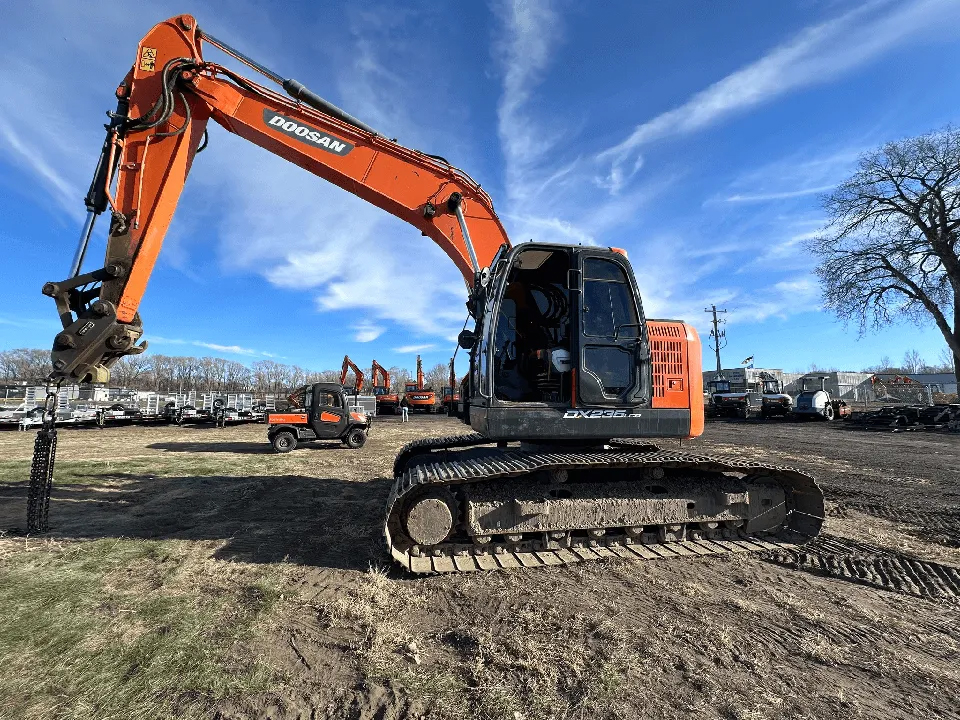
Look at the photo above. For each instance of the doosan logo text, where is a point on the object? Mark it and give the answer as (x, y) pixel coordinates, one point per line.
(306, 134)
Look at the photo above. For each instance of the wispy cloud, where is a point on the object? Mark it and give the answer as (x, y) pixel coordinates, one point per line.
(36, 323)
(230, 349)
(350, 255)
(786, 195)
(366, 332)
(414, 348)
(30, 157)
(533, 30)
(816, 54)
(551, 194)
(799, 174)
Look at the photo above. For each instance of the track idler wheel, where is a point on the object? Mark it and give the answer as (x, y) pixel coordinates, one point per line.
(430, 520)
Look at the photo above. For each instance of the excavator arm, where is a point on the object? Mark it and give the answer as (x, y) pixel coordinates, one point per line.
(378, 371)
(164, 105)
(348, 364)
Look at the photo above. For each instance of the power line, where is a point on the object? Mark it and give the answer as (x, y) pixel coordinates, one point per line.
(718, 337)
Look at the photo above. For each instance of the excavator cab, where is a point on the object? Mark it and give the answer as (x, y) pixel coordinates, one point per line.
(564, 350)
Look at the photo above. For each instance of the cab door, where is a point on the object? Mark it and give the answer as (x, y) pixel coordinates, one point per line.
(329, 416)
(614, 352)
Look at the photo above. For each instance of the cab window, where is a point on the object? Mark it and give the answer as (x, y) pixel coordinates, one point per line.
(329, 399)
(608, 304)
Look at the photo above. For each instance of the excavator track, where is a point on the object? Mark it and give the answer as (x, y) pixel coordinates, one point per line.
(459, 483)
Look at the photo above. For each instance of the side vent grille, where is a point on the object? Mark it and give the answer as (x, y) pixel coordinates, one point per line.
(666, 353)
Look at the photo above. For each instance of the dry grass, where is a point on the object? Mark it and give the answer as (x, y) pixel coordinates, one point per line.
(824, 650)
(376, 609)
(128, 629)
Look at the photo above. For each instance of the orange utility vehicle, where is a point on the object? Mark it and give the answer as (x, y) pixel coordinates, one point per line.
(569, 380)
(416, 396)
(388, 402)
(320, 412)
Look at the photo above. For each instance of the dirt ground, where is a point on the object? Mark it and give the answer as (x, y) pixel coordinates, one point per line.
(272, 570)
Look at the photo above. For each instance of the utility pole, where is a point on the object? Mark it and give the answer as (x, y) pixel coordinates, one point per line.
(718, 337)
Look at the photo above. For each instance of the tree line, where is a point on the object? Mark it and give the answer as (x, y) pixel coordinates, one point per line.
(169, 373)
(913, 363)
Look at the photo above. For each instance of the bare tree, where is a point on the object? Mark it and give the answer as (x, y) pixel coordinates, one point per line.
(945, 361)
(186, 371)
(8, 365)
(237, 376)
(890, 250)
(437, 377)
(162, 367)
(132, 371)
(399, 377)
(912, 362)
(298, 376)
(212, 373)
(271, 376)
(26, 364)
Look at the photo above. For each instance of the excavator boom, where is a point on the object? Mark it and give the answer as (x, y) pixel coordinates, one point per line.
(164, 105)
(348, 365)
(380, 372)
(388, 402)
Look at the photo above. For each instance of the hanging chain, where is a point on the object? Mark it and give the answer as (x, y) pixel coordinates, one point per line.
(41, 470)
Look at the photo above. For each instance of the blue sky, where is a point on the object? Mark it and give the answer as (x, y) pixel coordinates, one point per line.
(696, 135)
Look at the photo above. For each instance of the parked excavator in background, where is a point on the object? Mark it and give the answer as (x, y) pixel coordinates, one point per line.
(448, 399)
(416, 396)
(388, 402)
(569, 380)
(348, 365)
(450, 393)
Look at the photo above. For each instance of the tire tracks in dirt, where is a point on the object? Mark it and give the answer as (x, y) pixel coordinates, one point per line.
(859, 562)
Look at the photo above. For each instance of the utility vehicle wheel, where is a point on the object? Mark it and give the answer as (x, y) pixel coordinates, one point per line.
(283, 442)
(828, 412)
(743, 413)
(355, 438)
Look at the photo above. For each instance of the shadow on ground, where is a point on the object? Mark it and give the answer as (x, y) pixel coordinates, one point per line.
(243, 448)
(323, 522)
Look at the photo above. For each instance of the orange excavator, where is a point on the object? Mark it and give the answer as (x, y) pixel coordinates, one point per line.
(418, 397)
(569, 381)
(450, 394)
(388, 402)
(348, 365)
